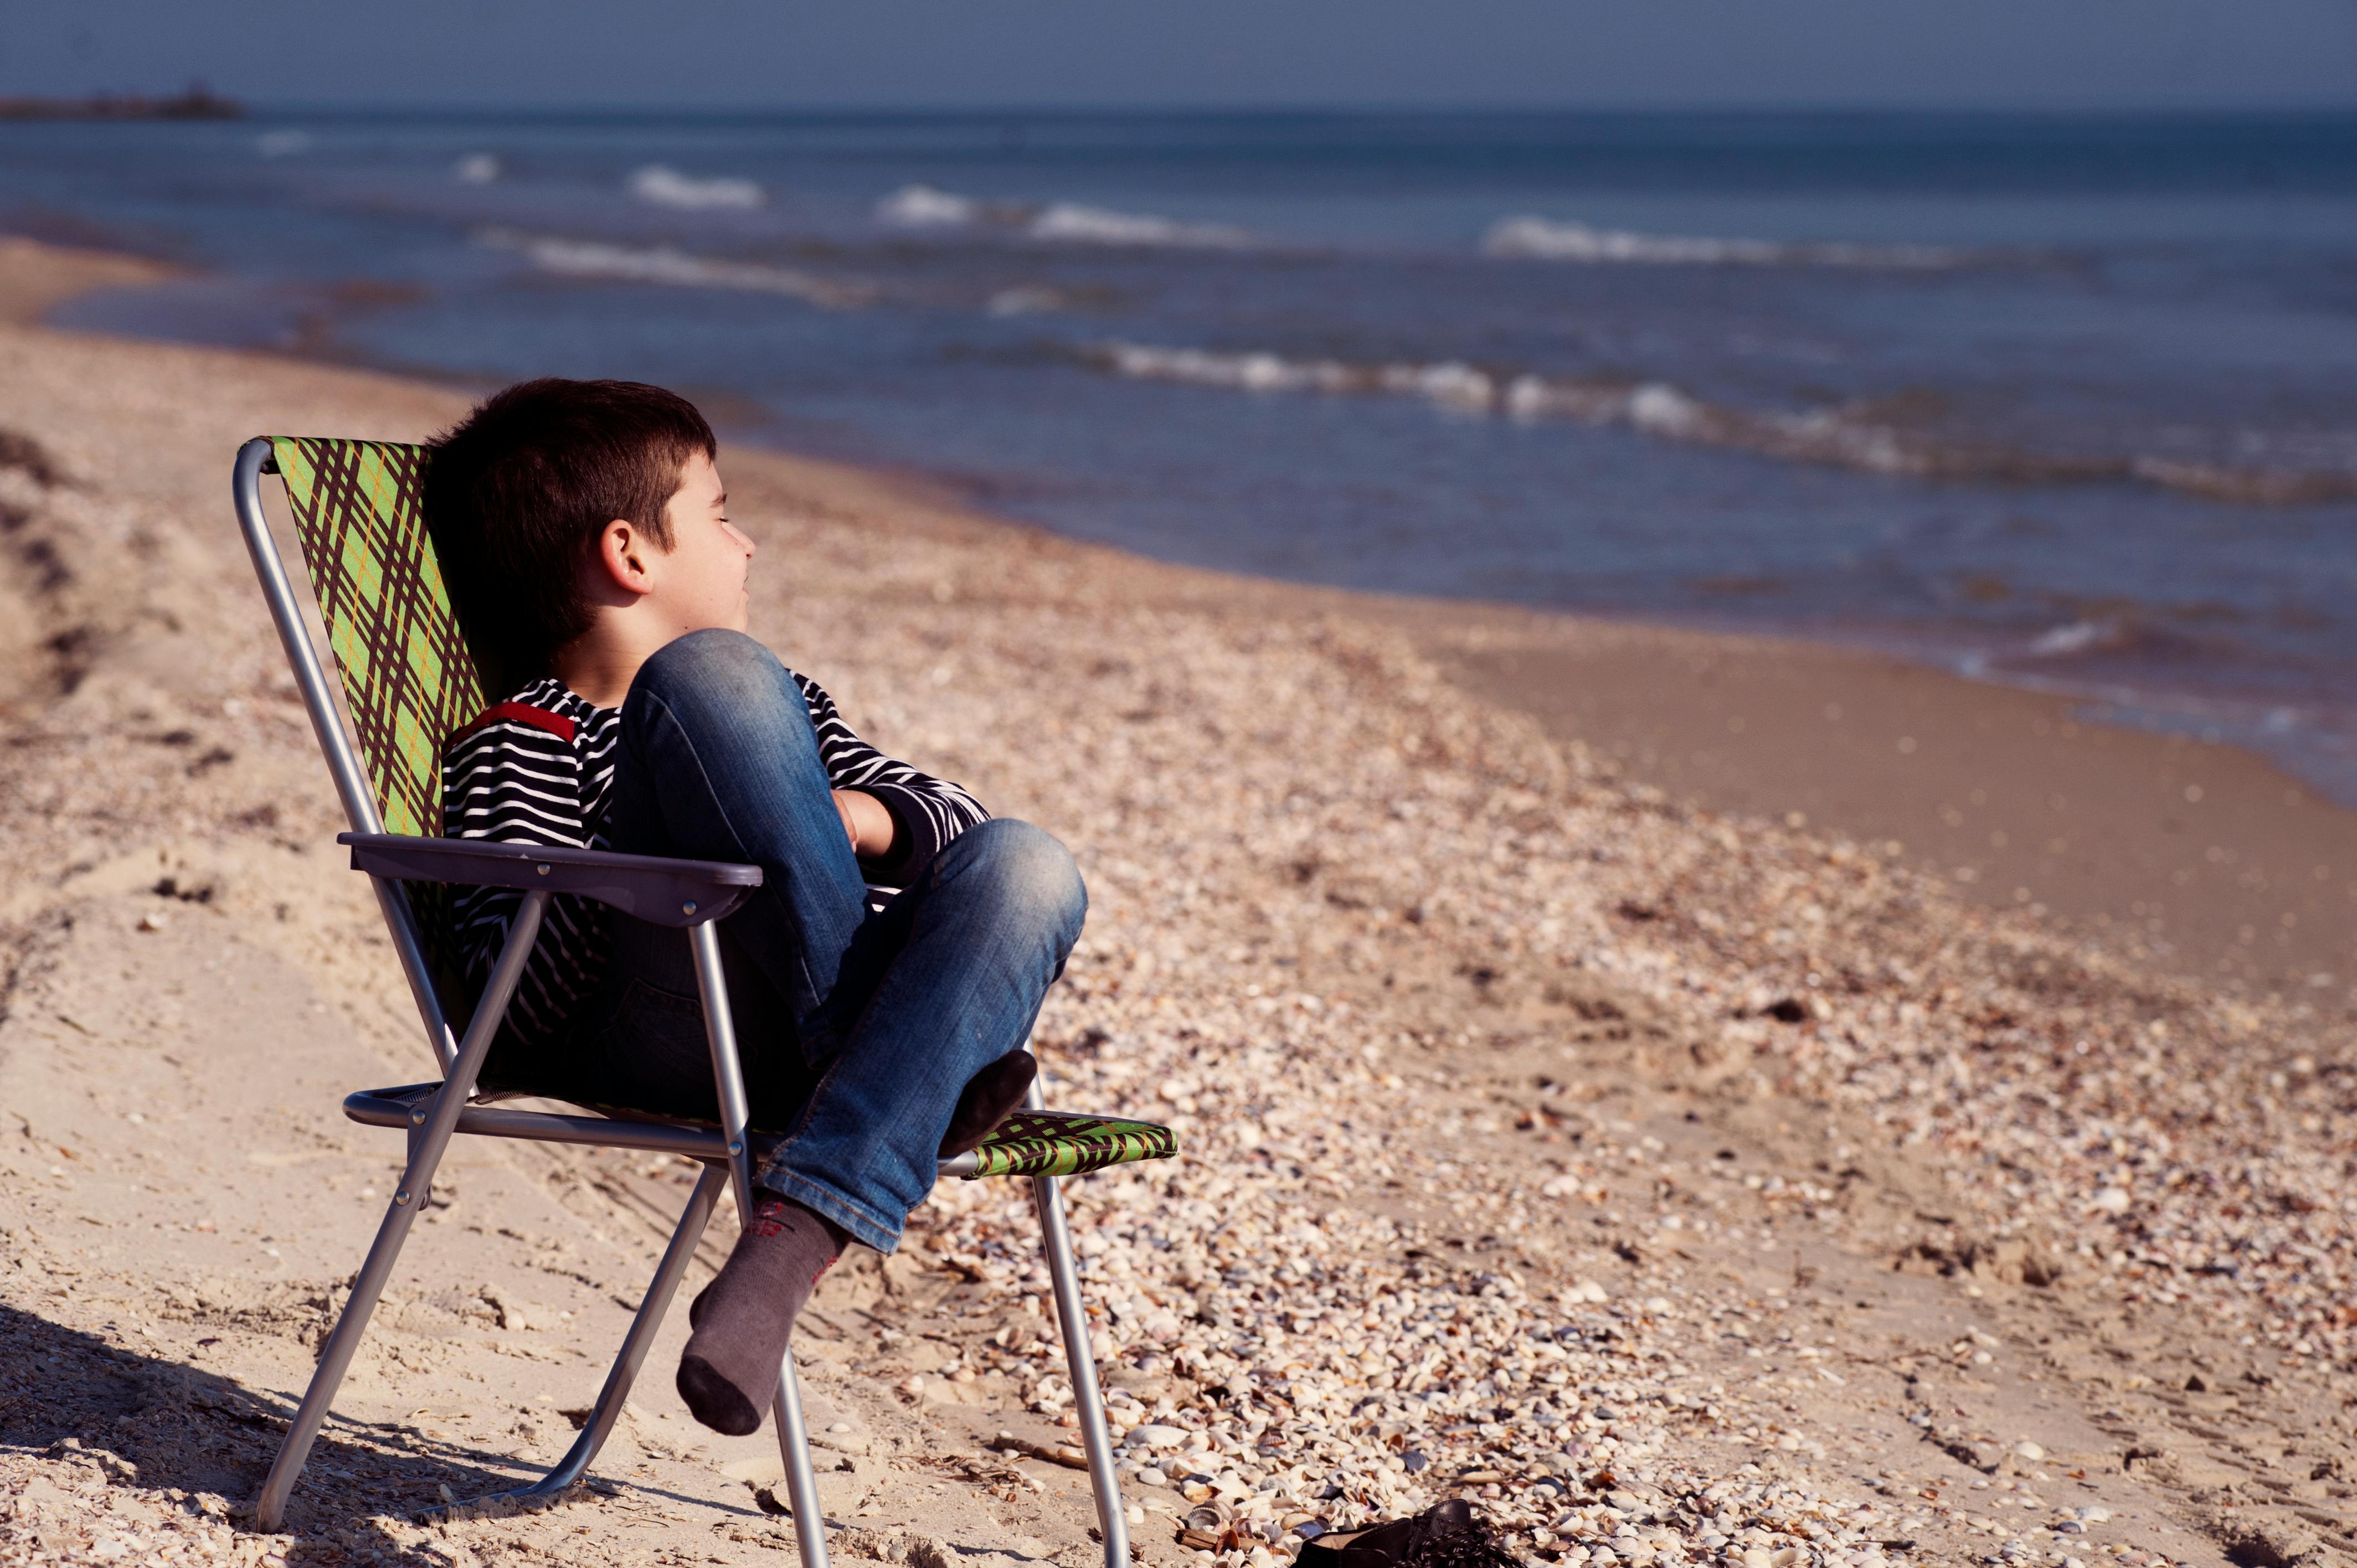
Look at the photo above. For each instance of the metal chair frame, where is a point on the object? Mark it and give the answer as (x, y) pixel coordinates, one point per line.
(691, 895)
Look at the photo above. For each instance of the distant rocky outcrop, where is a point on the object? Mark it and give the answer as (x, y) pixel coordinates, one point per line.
(198, 103)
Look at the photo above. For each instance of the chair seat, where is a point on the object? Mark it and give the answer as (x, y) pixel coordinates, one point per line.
(1027, 1144)
(1066, 1143)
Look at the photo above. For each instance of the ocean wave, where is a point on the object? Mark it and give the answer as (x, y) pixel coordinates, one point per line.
(1451, 383)
(1101, 226)
(2077, 637)
(922, 207)
(666, 187)
(677, 268)
(1541, 238)
(1065, 222)
(1847, 436)
(477, 168)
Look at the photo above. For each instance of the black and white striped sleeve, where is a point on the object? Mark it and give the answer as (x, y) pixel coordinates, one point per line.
(930, 812)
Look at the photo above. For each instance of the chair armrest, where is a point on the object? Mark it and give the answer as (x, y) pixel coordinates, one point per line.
(659, 891)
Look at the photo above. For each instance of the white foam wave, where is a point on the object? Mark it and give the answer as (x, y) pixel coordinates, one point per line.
(283, 143)
(2076, 638)
(666, 187)
(923, 207)
(1848, 436)
(679, 269)
(1450, 383)
(477, 168)
(1542, 238)
(1059, 222)
(1068, 220)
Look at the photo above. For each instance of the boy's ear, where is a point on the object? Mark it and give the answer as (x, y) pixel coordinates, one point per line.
(624, 559)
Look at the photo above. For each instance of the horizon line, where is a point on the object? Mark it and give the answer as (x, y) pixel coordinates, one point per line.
(1272, 110)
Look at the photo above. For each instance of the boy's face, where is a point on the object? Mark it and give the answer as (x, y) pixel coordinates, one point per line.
(700, 582)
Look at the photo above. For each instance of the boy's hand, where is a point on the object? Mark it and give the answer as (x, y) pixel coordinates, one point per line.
(866, 824)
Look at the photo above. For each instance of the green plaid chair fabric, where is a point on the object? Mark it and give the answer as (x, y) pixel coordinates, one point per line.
(408, 678)
(1027, 1144)
(1061, 1143)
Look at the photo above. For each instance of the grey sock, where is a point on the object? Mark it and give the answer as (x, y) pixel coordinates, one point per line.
(745, 1316)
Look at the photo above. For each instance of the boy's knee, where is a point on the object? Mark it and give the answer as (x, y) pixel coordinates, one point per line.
(1029, 868)
(717, 683)
(715, 663)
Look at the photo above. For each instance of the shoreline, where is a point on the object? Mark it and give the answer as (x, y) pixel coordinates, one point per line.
(2251, 881)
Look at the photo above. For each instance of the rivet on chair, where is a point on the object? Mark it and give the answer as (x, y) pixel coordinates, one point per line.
(735, 1149)
(400, 1198)
(417, 1118)
(688, 907)
(542, 868)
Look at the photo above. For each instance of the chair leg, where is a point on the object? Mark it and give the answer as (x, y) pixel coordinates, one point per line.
(1081, 1361)
(635, 1345)
(801, 1482)
(431, 1124)
(728, 1086)
(335, 1356)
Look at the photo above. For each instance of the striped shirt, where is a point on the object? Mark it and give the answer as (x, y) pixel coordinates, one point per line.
(539, 768)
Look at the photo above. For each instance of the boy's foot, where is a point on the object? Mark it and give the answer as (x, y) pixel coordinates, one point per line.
(745, 1316)
(989, 1095)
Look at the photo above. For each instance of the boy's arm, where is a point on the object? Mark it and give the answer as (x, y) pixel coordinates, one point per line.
(875, 833)
(923, 812)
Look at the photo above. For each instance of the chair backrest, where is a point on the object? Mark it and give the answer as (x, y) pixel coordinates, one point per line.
(409, 679)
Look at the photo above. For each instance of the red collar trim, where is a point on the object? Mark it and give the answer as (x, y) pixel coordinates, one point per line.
(556, 725)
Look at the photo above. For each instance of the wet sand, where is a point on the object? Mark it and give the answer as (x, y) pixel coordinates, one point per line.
(2198, 858)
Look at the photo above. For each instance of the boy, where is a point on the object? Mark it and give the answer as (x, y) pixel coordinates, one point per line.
(583, 532)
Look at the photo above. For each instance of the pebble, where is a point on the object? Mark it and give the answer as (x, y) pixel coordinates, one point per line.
(1153, 1436)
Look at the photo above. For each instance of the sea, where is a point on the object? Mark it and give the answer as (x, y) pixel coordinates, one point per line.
(2065, 402)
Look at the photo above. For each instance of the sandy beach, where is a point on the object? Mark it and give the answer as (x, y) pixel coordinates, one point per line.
(1706, 1099)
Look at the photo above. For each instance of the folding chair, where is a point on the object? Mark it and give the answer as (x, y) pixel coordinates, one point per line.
(408, 681)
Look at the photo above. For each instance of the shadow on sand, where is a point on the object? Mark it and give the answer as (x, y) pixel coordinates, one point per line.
(196, 1440)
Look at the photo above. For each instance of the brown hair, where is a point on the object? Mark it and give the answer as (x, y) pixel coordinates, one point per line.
(517, 493)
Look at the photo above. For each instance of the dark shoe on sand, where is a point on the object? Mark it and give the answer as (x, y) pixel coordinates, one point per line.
(990, 1096)
(1446, 1535)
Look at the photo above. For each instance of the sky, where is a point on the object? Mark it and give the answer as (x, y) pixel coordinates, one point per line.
(948, 54)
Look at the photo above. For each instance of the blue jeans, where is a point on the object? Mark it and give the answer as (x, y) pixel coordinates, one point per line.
(858, 1029)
